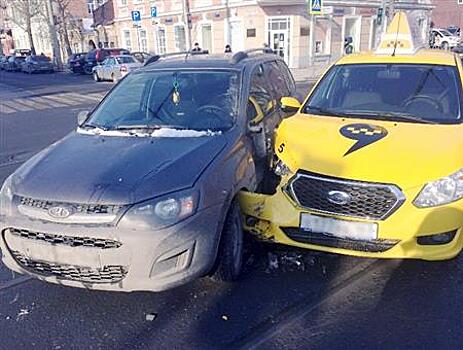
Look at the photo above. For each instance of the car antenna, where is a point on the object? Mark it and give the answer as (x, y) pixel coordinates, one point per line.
(396, 37)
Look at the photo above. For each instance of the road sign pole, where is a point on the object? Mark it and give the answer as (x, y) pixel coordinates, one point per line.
(186, 19)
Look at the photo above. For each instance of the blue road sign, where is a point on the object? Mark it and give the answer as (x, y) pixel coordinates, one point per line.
(154, 11)
(136, 16)
(315, 7)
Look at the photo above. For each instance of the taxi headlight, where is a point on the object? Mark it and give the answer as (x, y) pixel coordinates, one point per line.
(443, 191)
(161, 212)
(6, 197)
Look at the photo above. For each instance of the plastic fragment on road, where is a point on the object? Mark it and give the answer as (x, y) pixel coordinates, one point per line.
(151, 317)
(225, 317)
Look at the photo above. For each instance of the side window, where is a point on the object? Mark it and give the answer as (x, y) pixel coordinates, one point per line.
(277, 80)
(288, 76)
(251, 111)
(261, 92)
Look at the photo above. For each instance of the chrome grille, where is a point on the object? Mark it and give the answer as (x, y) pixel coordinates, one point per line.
(367, 200)
(107, 274)
(79, 208)
(72, 241)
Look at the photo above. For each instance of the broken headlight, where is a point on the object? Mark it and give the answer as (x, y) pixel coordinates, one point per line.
(161, 212)
(440, 192)
(6, 197)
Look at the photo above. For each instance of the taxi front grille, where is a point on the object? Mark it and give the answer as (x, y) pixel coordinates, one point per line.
(107, 274)
(364, 200)
(72, 241)
(320, 239)
(88, 209)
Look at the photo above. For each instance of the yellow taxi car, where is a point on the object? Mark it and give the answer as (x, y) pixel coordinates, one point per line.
(371, 164)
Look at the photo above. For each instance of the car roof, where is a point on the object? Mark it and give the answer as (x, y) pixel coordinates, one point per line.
(435, 57)
(208, 61)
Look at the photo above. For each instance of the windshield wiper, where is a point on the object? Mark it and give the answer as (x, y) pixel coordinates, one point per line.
(95, 126)
(137, 127)
(327, 111)
(396, 115)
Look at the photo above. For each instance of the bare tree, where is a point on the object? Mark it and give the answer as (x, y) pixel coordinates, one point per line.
(23, 13)
(65, 22)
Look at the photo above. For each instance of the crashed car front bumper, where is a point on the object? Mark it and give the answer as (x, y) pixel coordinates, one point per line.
(109, 258)
(409, 233)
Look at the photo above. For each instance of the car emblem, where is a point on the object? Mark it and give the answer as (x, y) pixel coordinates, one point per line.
(364, 134)
(339, 197)
(60, 212)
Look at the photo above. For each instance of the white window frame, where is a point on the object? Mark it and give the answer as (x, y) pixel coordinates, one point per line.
(158, 42)
(176, 43)
(124, 40)
(290, 35)
(147, 46)
(200, 33)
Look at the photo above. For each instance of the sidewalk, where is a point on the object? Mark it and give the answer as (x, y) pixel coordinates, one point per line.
(306, 75)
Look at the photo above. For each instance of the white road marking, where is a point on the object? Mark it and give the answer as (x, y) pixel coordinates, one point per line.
(44, 99)
(30, 103)
(62, 99)
(6, 110)
(18, 106)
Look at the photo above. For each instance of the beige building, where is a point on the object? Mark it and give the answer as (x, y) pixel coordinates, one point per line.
(303, 40)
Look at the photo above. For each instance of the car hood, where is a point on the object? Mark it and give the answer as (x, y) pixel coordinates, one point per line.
(406, 154)
(115, 170)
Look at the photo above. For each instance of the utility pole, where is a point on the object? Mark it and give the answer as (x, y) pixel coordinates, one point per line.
(187, 20)
(53, 35)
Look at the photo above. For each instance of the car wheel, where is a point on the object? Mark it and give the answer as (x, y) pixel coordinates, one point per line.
(445, 45)
(96, 77)
(229, 260)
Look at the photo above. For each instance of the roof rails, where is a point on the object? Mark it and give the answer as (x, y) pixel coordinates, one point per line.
(241, 55)
(156, 58)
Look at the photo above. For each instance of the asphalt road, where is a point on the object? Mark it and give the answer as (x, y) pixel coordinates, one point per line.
(305, 301)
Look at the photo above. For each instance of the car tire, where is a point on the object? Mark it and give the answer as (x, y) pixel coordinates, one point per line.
(96, 77)
(229, 260)
(445, 45)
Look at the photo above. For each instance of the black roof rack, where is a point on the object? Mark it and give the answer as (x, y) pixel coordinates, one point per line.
(156, 58)
(241, 55)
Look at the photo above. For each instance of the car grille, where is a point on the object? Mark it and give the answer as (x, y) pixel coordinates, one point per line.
(107, 274)
(320, 239)
(79, 208)
(72, 241)
(367, 200)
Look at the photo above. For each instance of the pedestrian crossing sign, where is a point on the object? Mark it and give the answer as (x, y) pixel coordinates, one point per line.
(315, 7)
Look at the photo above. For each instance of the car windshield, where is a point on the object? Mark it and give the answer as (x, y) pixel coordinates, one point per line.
(125, 59)
(446, 32)
(193, 100)
(411, 92)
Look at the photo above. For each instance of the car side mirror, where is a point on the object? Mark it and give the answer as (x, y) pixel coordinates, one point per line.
(290, 105)
(82, 117)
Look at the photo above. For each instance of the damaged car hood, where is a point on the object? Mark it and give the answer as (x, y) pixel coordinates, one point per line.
(403, 153)
(115, 170)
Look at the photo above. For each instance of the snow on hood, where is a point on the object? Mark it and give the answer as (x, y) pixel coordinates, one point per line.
(164, 132)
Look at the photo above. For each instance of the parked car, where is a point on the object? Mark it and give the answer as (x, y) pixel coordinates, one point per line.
(370, 164)
(115, 68)
(99, 55)
(14, 63)
(3, 61)
(34, 64)
(76, 62)
(454, 30)
(143, 195)
(141, 57)
(443, 39)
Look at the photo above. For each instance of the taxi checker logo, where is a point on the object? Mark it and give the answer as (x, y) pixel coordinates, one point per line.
(364, 134)
(339, 197)
(60, 212)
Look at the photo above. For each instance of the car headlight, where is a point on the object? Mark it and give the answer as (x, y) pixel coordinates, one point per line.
(161, 212)
(6, 197)
(443, 191)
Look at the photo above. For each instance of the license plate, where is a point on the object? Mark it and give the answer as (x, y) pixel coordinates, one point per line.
(362, 231)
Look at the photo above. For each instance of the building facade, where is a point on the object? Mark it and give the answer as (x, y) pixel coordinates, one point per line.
(447, 13)
(76, 19)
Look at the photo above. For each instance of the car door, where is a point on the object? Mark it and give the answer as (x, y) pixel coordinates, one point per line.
(105, 67)
(263, 118)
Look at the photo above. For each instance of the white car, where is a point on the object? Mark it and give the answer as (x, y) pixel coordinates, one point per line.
(115, 67)
(444, 39)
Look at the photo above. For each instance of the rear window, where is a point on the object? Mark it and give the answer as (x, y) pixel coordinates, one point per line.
(91, 55)
(126, 59)
(429, 92)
